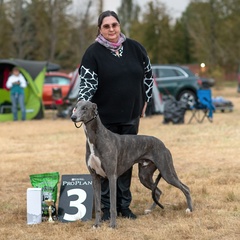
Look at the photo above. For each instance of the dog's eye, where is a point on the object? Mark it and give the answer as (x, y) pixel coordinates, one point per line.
(84, 108)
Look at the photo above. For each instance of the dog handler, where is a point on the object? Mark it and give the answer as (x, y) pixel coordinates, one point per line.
(116, 74)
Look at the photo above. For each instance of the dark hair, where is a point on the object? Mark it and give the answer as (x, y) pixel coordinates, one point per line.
(15, 69)
(106, 14)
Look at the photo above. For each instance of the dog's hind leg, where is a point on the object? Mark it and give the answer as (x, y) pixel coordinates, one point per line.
(156, 195)
(170, 176)
(145, 172)
(178, 184)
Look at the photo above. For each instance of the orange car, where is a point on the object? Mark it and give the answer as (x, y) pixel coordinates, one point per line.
(55, 80)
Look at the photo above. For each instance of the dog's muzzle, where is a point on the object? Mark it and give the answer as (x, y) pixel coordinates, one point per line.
(74, 118)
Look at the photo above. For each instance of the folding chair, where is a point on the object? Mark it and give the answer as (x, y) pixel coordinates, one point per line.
(57, 101)
(203, 108)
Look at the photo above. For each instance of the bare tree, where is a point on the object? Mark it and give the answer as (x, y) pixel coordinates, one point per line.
(5, 32)
(128, 12)
(18, 28)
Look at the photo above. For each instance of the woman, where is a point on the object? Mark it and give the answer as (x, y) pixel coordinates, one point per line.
(16, 83)
(116, 74)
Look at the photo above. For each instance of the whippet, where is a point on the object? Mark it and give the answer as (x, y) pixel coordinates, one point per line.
(109, 155)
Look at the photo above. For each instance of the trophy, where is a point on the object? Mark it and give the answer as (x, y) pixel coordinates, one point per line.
(50, 203)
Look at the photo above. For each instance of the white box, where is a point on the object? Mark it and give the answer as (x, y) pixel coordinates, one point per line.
(34, 205)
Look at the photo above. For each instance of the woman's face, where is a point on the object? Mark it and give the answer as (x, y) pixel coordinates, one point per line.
(15, 72)
(110, 29)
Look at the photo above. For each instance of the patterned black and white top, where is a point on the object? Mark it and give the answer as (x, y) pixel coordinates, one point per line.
(118, 84)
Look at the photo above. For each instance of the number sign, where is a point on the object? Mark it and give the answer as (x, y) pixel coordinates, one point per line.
(76, 198)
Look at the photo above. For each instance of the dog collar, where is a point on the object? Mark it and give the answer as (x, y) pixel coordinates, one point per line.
(96, 114)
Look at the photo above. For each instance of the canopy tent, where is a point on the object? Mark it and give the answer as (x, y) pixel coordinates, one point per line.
(156, 105)
(34, 73)
(74, 88)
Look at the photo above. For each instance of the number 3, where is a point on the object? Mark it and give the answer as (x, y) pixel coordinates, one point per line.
(77, 203)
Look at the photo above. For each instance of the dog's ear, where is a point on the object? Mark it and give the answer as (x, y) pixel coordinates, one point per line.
(94, 105)
(78, 102)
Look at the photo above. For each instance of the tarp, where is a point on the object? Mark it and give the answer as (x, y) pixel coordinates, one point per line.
(34, 73)
(174, 111)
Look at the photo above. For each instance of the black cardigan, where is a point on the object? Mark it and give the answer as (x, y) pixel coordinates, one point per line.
(118, 85)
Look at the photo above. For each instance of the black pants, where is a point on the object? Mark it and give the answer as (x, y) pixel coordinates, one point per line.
(124, 196)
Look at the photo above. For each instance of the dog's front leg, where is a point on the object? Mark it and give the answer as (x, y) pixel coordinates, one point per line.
(113, 201)
(97, 194)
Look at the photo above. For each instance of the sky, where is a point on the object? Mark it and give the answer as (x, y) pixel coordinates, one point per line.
(175, 7)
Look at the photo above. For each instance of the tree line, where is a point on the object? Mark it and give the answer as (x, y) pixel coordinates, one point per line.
(60, 31)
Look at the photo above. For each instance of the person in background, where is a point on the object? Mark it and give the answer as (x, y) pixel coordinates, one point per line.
(16, 83)
(116, 74)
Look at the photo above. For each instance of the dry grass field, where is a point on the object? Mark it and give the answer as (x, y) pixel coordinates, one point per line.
(206, 158)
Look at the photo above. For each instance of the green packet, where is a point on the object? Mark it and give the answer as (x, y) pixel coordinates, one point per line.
(48, 183)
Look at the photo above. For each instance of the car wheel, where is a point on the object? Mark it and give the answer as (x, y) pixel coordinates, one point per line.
(188, 97)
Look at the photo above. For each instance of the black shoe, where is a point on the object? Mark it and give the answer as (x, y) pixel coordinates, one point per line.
(106, 215)
(127, 213)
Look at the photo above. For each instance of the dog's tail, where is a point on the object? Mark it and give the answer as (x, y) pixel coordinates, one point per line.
(154, 191)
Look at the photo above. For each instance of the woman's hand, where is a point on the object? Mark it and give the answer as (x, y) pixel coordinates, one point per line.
(144, 109)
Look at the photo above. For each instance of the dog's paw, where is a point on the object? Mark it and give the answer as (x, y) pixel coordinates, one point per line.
(96, 226)
(147, 211)
(112, 226)
(188, 211)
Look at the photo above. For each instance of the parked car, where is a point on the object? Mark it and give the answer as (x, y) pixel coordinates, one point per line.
(179, 82)
(206, 82)
(55, 80)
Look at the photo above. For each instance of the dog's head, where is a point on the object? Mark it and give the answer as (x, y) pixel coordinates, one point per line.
(84, 111)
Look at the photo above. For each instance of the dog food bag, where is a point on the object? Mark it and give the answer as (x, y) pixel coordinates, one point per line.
(48, 183)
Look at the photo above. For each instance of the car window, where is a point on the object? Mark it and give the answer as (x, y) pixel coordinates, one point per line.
(155, 72)
(167, 72)
(171, 72)
(179, 73)
(48, 80)
(189, 72)
(57, 80)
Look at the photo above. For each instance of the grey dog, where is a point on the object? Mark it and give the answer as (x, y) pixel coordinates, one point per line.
(109, 155)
